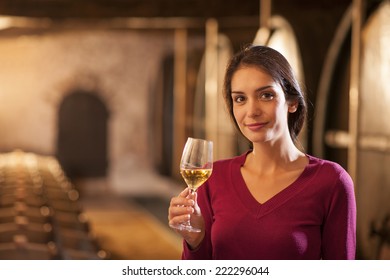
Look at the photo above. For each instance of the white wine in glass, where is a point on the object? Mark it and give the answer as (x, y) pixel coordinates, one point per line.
(196, 166)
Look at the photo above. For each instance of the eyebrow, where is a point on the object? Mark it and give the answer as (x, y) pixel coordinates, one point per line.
(257, 90)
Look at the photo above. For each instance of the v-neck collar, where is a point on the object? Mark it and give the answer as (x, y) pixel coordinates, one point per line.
(260, 209)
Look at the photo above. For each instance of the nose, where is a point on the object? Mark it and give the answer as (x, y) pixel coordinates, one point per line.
(254, 109)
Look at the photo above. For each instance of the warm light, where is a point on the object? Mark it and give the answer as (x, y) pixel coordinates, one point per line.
(5, 22)
(284, 41)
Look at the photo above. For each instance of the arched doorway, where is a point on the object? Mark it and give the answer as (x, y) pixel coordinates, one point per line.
(82, 135)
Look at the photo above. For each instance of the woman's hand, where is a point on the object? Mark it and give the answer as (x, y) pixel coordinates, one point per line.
(183, 208)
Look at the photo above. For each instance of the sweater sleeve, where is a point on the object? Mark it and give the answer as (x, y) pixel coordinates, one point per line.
(339, 229)
(204, 251)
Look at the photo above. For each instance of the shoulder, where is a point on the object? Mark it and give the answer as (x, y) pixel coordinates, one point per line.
(326, 166)
(330, 172)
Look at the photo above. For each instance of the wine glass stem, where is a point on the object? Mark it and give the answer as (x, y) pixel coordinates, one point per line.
(192, 194)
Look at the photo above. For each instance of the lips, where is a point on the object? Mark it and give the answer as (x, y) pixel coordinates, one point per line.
(255, 126)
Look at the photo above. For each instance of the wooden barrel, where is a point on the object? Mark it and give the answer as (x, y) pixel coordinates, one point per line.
(211, 119)
(40, 215)
(331, 135)
(373, 178)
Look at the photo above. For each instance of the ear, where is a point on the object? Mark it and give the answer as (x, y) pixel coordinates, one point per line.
(292, 107)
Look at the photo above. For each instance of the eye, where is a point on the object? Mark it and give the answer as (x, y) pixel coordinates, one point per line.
(238, 98)
(267, 95)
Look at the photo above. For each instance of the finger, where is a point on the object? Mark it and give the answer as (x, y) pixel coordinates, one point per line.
(179, 210)
(179, 220)
(185, 192)
(181, 201)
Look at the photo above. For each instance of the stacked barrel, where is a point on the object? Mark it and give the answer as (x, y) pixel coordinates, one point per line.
(40, 213)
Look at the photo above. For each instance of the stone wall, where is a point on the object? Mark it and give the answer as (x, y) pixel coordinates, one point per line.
(38, 70)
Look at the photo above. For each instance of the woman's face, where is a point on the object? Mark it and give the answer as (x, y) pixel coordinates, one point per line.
(259, 105)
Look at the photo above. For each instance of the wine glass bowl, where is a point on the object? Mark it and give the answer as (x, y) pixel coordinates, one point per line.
(195, 167)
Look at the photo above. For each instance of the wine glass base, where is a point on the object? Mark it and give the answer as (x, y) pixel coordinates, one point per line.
(185, 228)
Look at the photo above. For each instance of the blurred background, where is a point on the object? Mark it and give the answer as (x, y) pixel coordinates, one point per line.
(97, 98)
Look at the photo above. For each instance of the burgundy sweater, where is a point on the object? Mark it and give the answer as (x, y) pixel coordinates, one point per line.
(313, 218)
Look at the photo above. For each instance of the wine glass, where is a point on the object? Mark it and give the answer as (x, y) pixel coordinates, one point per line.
(195, 167)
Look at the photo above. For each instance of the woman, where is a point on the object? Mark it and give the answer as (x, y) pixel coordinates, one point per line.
(274, 201)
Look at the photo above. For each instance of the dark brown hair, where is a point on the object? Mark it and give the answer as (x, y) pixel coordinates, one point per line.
(276, 65)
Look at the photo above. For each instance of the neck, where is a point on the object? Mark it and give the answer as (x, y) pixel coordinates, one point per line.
(270, 157)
